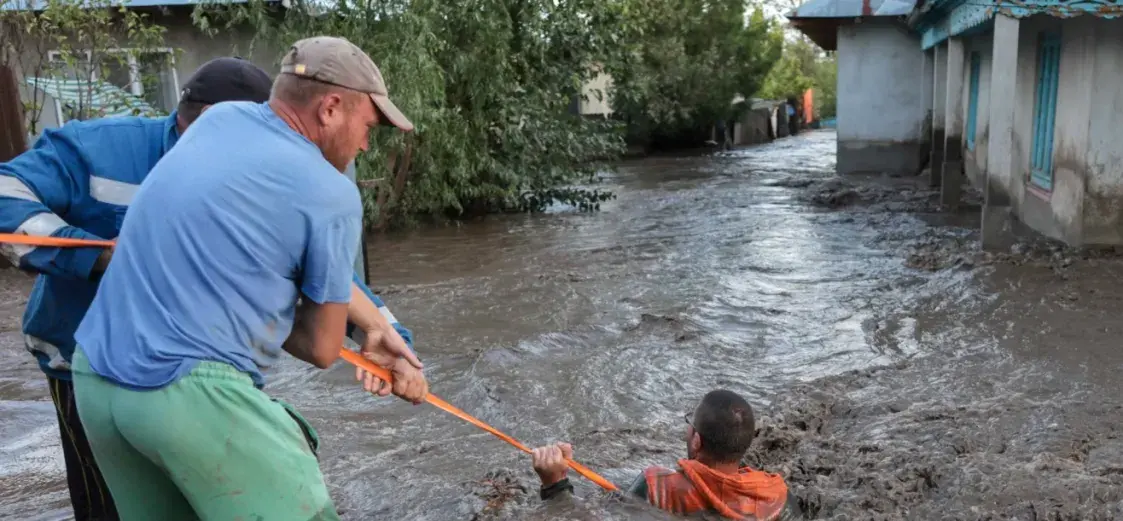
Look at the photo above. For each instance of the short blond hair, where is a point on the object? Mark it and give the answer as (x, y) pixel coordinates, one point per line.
(301, 92)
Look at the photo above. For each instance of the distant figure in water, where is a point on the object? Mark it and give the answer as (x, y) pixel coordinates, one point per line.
(711, 478)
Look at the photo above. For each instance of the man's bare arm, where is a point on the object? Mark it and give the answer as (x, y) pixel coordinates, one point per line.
(317, 332)
(363, 313)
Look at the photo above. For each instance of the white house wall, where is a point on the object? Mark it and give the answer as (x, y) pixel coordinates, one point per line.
(1022, 132)
(1103, 202)
(594, 96)
(1056, 214)
(881, 105)
(940, 87)
(1070, 134)
(975, 161)
(1085, 205)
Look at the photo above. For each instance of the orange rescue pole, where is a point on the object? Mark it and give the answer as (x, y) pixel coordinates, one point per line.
(347, 354)
(59, 242)
(370, 367)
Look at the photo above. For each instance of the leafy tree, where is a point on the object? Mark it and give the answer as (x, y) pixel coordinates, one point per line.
(760, 48)
(682, 62)
(73, 41)
(804, 66)
(488, 85)
(826, 87)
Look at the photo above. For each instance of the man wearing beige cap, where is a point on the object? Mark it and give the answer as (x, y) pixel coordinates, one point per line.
(238, 245)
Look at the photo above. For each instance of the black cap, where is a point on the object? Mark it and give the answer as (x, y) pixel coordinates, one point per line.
(227, 79)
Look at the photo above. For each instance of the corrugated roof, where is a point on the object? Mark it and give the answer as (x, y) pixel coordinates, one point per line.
(103, 99)
(35, 5)
(852, 8)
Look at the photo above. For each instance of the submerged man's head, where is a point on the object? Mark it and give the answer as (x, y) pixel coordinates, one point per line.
(721, 428)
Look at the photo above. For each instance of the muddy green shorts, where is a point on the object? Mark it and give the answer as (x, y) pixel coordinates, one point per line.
(210, 446)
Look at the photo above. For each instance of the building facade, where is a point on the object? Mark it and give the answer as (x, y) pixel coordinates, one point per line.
(881, 109)
(1021, 98)
(1032, 97)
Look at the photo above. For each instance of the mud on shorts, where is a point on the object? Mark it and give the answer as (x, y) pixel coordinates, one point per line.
(209, 446)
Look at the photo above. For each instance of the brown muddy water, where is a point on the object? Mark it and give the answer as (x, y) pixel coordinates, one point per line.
(898, 372)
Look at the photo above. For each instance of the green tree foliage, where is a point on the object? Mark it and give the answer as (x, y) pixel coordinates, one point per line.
(826, 87)
(77, 41)
(681, 63)
(488, 84)
(804, 66)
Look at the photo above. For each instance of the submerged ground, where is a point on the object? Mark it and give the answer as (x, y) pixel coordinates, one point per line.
(898, 372)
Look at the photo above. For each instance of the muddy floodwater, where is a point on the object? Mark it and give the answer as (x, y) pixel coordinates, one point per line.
(898, 372)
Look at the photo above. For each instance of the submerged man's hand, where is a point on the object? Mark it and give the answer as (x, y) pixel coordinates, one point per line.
(386, 348)
(550, 462)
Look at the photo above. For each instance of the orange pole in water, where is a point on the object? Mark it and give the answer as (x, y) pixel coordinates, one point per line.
(347, 354)
(358, 360)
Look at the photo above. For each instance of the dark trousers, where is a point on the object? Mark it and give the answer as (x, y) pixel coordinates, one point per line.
(88, 493)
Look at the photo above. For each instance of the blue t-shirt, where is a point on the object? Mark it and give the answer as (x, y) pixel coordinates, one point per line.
(230, 227)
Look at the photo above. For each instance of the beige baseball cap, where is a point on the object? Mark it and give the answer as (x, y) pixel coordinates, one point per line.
(339, 62)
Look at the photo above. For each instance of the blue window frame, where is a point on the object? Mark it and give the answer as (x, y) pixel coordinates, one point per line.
(1045, 109)
(973, 100)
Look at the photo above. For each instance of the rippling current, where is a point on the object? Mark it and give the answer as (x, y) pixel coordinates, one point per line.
(601, 329)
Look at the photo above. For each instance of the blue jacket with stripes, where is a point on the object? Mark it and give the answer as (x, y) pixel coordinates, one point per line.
(77, 181)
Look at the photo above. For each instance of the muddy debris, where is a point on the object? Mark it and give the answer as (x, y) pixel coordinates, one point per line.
(851, 449)
(879, 193)
(839, 192)
(940, 250)
(945, 248)
(497, 491)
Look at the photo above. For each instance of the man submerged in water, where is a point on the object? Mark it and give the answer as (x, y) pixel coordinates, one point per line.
(710, 479)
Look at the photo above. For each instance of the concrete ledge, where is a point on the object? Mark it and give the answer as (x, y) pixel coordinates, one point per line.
(1037, 213)
(997, 228)
(879, 157)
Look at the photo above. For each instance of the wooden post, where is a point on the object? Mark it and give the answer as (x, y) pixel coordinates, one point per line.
(13, 136)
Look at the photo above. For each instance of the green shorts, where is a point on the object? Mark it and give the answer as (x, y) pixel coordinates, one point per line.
(210, 446)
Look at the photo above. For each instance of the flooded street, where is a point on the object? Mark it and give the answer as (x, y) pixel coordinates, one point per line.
(897, 372)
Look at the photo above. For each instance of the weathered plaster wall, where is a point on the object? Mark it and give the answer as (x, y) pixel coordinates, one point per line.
(1022, 132)
(941, 81)
(1070, 138)
(1059, 213)
(880, 101)
(594, 96)
(1103, 190)
(939, 113)
(998, 189)
(927, 83)
(975, 160)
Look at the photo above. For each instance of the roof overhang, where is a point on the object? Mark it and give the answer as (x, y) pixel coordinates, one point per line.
(822, 31)
(820, 19)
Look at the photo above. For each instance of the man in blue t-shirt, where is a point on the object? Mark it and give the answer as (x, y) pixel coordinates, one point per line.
(238, 245)
(77, 181)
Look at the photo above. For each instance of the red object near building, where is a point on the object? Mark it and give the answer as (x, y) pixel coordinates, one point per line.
(808, 106)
